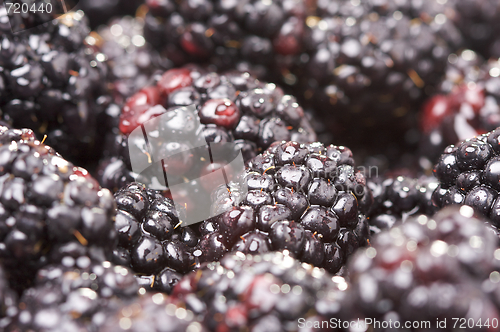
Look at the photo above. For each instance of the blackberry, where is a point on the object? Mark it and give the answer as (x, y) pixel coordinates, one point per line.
(152, 313)
(75, 295)
(468, 175)
(467, 103)
(478, 22)
(395, 199)
(51, 82)
(426, 269)
(49, 208)
(150, 238)
(232, 107)
(270, 292)
(100, 12)
(228, 33)
(306, 198)
(8, 302)
(369, 64)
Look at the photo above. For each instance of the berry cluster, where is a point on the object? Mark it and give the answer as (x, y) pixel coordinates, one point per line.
(469, 174)
(52, 83)
(49, 208)
(270, 292)
(306, 198)
(232, 107)
(396, 199)
(427, 269)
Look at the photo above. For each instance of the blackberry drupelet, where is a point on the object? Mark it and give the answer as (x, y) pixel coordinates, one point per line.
(395, 199)
(426, 269)
(76, 295)
(228, 33)
(468, 174)
(54, 84)
(467, 103)
(232, 107)
(306, 198)
(49, 209)
(270, 292)
(368, 65)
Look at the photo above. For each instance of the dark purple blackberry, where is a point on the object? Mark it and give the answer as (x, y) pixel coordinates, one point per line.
(395, 199)
(468, 174)
(478, 21)
(132, 61)
(152, 313)
(306, 198)
(426, 269)
(52, 82)
(49, 209)
(232, 107)
(77, 295)
(270, 292)
(151, 239)
(101, 11)
(369, 64)
(228, 33)
(467, 103)
(8, 302)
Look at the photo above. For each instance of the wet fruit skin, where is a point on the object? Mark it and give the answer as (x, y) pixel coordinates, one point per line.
(433, 272)
(53, 83)
(238, 291)
(51, 209)
(232, 107)
(469, 174)
(304, 198)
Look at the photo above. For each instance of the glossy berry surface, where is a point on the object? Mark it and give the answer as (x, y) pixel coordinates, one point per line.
(50, 208)
(231, 107)
(395, 199)
(150, 238)
(51, 82)
(411, 267)
(468, 174)
(306, 198)
(76, 295)
(267, 292)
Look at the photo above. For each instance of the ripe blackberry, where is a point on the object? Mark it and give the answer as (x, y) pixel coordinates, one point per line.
(395, 199)
(467, 103)
(270, 292)
(49, 208)
(468, 174)
(232, 107)
(75, 296)
(306, 198)
(51, 82)
(8, 302)
(227, 33)
(152, 313)
(150, 239)
(367, 66)
(478, 21)
(100, 12)
(426, 269)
